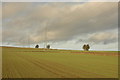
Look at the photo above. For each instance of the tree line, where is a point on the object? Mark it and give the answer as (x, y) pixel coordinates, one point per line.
(85, 47)
(48, 46)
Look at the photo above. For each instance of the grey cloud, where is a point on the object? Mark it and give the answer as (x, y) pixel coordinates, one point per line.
(100, 38)
(104, 38)
(63, 22)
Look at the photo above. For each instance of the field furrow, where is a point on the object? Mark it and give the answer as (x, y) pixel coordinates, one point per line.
(35, 63)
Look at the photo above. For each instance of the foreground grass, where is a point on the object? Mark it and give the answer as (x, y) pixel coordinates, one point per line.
(39, 63)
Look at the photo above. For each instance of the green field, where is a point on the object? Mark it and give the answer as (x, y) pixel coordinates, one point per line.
(40, 63)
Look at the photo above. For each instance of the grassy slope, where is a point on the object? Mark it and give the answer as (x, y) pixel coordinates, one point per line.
(37, 63)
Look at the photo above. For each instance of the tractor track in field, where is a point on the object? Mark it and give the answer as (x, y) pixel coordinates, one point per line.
(47, 69)
(57, 71)
(63, 67)
(53, 68)
(92, 53)
(99, 53)
(61, 71)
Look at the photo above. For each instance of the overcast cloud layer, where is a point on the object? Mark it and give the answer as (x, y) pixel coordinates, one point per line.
(93, 22)
(60, 0)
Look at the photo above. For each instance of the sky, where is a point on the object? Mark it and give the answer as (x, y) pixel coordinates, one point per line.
(63, 25)
(60, 0)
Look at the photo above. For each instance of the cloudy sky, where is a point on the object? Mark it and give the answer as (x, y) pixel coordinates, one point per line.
(66, 25)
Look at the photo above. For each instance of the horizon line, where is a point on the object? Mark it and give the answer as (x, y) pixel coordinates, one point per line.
(61, 48)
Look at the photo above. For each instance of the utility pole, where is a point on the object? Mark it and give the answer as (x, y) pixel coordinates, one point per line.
(45, 36)
(28, 39)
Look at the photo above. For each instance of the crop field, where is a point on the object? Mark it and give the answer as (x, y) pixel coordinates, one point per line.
(41, 63)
